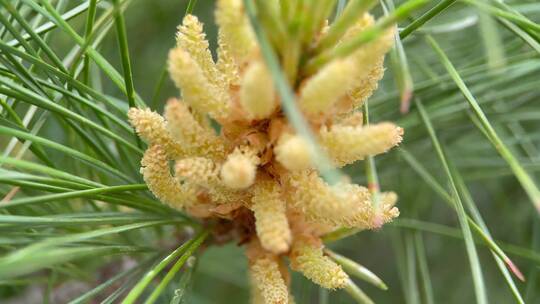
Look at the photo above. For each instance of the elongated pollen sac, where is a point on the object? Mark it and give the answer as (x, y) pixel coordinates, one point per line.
(346, 144)
(235, 30)
(153, 128)
(226, 153)
(293, 152)
(198, 170)
(196, 139)
(156, 173)
(324, 89)
(191, 38)
(257, 94)
(270, 217)
(266, 275)
(196, 88)
(307, 257)
(343, 204)
(239, 170)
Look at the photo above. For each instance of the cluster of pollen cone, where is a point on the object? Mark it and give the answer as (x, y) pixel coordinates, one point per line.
(253, 174)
